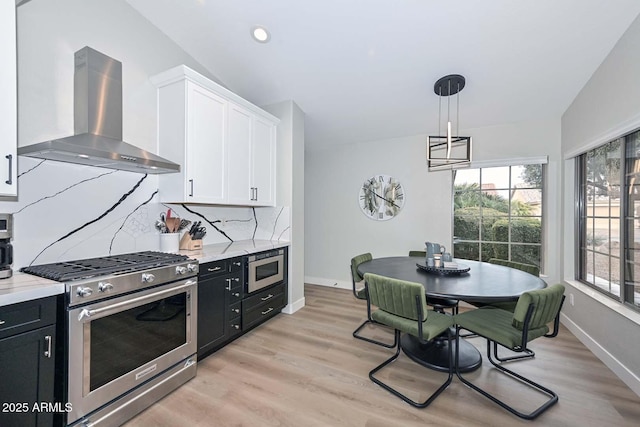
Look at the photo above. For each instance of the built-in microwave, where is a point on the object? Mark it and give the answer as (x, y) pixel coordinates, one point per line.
(264, 269)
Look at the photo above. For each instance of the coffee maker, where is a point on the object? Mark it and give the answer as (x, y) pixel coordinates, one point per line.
(6, 250)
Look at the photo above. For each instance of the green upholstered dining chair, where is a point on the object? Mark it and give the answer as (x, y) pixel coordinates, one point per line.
(528, 268)
(402, 305)
(533, 312)
(439, 304)
(361, 293)
(511, 306)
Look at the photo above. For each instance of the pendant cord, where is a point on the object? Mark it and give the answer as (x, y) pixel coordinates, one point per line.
(439, 108)
(458, 111)
(449, 101)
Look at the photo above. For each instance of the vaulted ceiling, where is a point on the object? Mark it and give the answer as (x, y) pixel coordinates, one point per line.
(364, 70)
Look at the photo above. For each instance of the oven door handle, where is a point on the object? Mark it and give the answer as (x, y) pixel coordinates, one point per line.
(133, 301)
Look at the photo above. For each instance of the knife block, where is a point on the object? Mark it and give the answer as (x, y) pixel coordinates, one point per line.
(187, 243)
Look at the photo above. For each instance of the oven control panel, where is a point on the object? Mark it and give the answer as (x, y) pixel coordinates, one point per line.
(93, 289)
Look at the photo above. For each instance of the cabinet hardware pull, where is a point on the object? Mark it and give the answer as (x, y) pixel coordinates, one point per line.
(236, 294)
(191, 184)
(214, 269)
(88, 313)
(236, 326)
(10, 158)
(237, 264)
(47, 352)
(235, 310)
(256, 199)
(228, 287)
(2, 322)
(268, 297)
(268, 311)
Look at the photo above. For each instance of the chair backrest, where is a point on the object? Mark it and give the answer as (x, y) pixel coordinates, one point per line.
(546, 305)
(529, 268)
(355, 262)
(395, 296)
(422, 254)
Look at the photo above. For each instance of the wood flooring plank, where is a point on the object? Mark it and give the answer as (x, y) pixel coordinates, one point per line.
(306, 369)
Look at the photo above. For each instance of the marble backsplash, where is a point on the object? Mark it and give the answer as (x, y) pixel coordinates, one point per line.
(66, 211)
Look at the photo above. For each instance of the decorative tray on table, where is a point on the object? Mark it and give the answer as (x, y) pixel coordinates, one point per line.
(461, 268)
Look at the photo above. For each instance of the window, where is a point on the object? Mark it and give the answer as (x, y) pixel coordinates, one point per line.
(498, 213)
(609, 218)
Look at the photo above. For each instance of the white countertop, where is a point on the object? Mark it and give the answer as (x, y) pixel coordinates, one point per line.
(233, 249)
(24, 287)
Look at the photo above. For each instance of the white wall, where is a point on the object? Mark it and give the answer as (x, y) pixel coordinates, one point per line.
(290, 191)
(606, 108)
(336, 229)
(54, 199)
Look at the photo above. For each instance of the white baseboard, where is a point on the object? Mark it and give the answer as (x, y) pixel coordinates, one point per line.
(340, 284)
(293, 307)
(627, 376)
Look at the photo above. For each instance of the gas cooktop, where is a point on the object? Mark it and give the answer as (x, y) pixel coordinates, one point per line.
(102, 266)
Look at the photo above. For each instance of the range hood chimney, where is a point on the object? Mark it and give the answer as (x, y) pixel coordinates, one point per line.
(97, 114)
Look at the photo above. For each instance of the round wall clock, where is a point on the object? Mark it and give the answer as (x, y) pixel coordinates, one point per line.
(381, 197)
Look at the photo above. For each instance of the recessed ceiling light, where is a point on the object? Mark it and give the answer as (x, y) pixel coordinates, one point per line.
(260, 34)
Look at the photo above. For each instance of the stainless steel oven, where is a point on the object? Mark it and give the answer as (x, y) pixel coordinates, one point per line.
(131, 332)
(117, 345)
(264, 269)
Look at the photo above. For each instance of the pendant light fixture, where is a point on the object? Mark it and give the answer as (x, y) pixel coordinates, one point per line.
(449, 151)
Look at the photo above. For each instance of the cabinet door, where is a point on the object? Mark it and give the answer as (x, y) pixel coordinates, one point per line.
(263, 162)
(239, 158)
(27, 373)
(8, 99)
(213, 303)
(206, 156)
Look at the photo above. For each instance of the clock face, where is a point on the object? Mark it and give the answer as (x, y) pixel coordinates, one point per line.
(381, 197)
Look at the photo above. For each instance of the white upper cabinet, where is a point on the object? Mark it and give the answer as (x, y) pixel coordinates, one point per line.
(8, 100)
(224, 144)
(263, 162)
(251, 177)
(239, 160)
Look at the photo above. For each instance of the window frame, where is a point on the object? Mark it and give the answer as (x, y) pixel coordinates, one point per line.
(542, 162)
(626, 284)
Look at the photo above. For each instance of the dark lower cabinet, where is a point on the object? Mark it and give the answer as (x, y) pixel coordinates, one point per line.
(262, 305)
(225, 311)
(219, 297)
(27, 364)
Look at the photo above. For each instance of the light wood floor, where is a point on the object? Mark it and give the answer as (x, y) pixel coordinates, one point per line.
(306, 370)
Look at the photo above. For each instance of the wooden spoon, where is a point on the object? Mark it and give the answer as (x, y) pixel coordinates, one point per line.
(172, 224)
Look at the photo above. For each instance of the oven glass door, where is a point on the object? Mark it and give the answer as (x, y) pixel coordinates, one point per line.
(128, 340)
(124, 341)
(265, 272)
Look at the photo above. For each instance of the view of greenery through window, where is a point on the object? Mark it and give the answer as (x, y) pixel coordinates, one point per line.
(498, 213)
(607, 198)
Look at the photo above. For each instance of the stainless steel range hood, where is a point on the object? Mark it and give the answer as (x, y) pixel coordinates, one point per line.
(97, 113)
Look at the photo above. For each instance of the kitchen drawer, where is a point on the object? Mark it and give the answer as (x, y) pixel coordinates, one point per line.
(262, 312)
(235, 310)
(235, 326)
(262, 296)
(214, 268)
(235, 296)
(26, 316)
(235, 280)
(235, 265)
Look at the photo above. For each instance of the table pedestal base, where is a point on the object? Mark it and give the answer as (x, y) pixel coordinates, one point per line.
(435, 353)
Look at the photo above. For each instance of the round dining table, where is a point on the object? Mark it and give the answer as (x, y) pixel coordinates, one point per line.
(483, 283)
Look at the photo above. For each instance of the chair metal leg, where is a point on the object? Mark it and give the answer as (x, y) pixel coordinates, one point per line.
(553, 397)
(528, 354)
(363, 338)
(402, 396)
